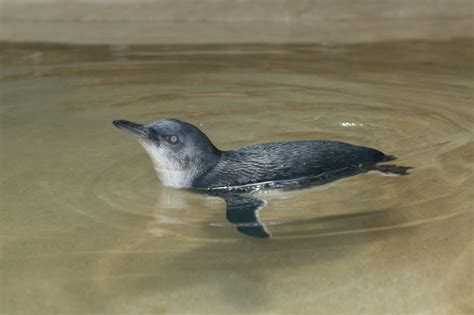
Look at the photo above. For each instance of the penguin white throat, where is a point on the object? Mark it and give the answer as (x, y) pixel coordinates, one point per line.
(170, 172)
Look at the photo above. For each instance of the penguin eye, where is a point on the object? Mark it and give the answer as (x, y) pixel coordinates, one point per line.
(172, 139)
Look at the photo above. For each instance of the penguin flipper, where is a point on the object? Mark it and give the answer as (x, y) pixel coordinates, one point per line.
(242, 211)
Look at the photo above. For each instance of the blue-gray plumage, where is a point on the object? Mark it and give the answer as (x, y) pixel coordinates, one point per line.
(291, 160)
(184, 157)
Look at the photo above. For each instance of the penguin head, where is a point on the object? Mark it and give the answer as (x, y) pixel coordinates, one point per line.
(180, 152)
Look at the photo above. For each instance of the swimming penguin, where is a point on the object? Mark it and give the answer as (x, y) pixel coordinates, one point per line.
(184, 157)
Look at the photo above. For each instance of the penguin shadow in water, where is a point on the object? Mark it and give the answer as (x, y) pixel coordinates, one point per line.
(243, 206)
(184, 157)
(180, 214)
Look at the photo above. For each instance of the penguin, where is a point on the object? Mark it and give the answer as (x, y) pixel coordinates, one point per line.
(184, 157)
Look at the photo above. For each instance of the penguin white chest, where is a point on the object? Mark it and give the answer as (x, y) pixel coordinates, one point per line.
(168, 170)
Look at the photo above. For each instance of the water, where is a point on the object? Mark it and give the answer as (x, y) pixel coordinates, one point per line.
(88, 229)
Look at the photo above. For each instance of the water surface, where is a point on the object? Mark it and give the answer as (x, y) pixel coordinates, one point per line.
(86, 227)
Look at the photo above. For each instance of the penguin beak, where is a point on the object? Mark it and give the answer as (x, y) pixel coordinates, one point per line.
(137, 130)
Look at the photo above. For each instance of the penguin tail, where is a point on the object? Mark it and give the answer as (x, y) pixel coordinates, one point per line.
(391, 169)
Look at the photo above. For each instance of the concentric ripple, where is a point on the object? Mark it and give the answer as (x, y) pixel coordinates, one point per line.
(422, 117)
(86, 220)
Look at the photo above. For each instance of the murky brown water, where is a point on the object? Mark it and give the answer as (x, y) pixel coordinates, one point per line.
(86, 227)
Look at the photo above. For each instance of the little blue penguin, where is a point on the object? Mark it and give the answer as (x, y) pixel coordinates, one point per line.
(184, 157)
